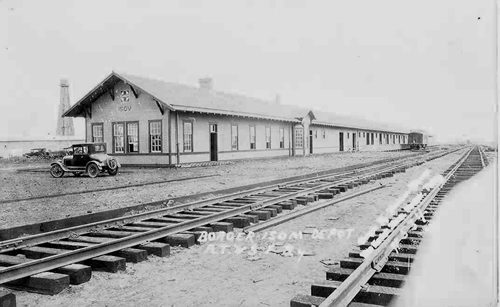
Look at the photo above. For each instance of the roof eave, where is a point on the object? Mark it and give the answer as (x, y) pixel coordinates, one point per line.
(231, 113)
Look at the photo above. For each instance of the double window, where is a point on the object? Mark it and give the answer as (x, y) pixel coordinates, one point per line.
(282, 138)
(188, 136)
(97, 133)
(126, 137)
(252, 138)
(234, 137)
(155, 136)
(268, 137)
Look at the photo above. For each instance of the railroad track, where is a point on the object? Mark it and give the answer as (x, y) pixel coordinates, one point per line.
(374, 273)
(49, 262)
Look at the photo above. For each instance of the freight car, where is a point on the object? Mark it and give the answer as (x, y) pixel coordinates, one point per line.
(417, 140)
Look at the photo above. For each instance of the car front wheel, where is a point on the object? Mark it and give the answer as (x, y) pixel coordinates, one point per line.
(56, 171)
(112, 167)
(92, 170)
(113, 171)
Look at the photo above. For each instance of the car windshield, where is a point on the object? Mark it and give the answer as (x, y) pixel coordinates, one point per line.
(99, 148)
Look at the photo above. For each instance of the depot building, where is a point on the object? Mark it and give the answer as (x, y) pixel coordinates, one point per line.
(147, 121)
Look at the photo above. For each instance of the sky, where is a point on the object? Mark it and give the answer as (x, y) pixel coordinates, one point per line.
(419, 64)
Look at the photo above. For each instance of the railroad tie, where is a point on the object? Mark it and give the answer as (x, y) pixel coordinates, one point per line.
(45, 283)
(287, 205)
(7, 298)
(222, 226)
(156, 248)
(238, 221)
(105, 263)
(253, 218)
(261, 214)
(301, 300)
(180, 239)
(278, 208)
(379, 278)
(77, 273)
(370, 294)
(273, 211)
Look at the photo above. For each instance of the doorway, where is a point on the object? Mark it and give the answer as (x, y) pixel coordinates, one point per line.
(213, 142)
(354, 141)
(341, 141)
(310, 141)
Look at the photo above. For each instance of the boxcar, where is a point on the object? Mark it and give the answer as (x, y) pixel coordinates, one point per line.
(417, 140)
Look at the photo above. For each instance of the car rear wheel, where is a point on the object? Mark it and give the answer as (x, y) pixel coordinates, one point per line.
(92, 170)
(56, 171)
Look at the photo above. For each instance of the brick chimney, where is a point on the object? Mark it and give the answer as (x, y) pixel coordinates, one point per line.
(206, 83)
(64, 124)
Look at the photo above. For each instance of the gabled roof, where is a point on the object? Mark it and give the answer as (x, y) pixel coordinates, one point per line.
(180, 97)
(104, 86)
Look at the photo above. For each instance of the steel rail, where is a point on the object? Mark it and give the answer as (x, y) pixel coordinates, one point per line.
(345, 293)
(12, 244)
(52, 262)
(287, 217)
(481, 154)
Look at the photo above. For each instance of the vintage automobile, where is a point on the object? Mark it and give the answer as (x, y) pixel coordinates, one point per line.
(90, 158)
(37, 152)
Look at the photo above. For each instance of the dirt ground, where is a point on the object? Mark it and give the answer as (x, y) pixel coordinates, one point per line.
(19, 182)
(204, 276)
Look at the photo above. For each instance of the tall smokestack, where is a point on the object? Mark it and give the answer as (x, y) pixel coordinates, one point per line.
(64, 124)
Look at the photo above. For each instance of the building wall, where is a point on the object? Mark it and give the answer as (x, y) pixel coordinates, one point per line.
(327, 139)
(201, 137)
(142, 109)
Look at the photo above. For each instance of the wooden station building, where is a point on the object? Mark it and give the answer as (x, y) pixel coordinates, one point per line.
(147, 121)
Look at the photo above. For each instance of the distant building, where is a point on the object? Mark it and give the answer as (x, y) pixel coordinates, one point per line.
(148, 121)
(64, 124)
(14, 147)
